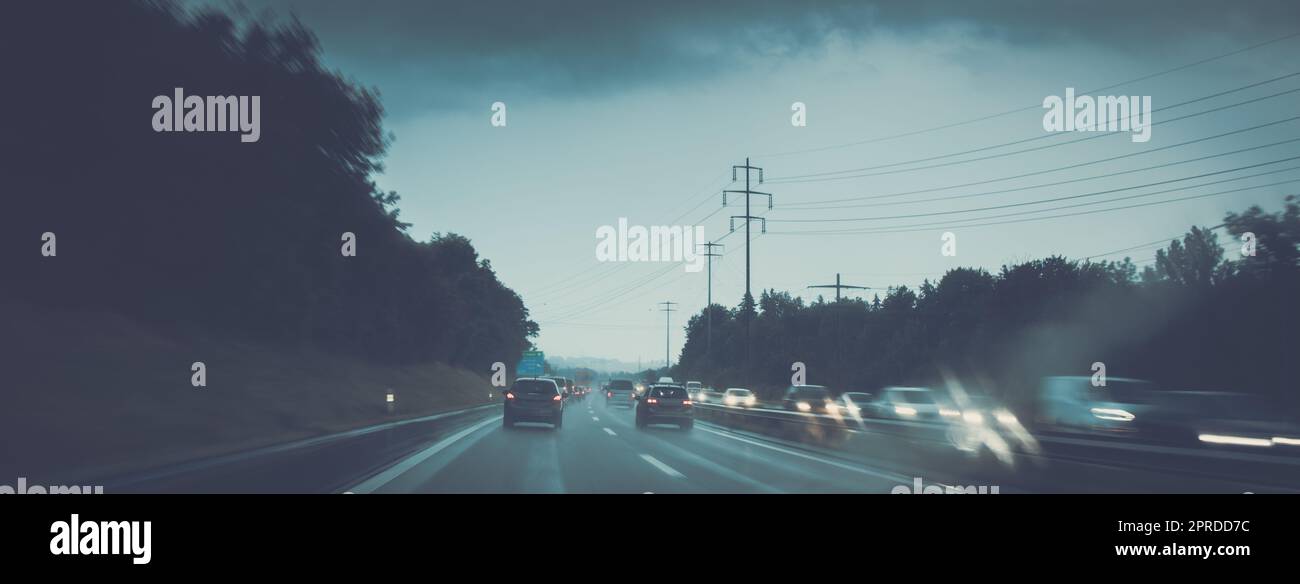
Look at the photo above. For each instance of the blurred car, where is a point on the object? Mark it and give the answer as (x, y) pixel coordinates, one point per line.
(856, 404)
(1217, 419)
(982, 425)
(739, 397)
(665, 403)
(559, 382)
(809, 399)
(621, 393)
(696, 391)
(909, 403)
(1073, 403)
(534, 399)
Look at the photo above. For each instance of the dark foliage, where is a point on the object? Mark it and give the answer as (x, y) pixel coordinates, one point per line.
(200, 228)
(1198, 319)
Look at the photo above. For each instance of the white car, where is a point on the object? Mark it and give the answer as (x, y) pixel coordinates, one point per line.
(1074, 403)
(908, 403)
(739, 397)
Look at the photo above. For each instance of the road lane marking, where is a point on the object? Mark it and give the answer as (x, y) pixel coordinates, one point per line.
(610, 432)
(866, 471)
(668, 470)
(595, 419)
(377, 482)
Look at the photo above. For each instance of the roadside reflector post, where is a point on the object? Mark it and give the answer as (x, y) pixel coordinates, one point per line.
(390, 400)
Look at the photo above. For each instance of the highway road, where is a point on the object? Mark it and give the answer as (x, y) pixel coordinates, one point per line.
(599, 450)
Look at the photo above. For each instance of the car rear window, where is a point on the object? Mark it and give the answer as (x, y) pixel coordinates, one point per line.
(739, 391)
(670, 392)
(621, 385)
(534, 386)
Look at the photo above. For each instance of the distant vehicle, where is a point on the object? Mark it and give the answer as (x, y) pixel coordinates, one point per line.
(739, 397)
(620, 392)
(665, 403)
(815, 399)
(534, 399)
(856, 404)
(559, 382)
(1074, 403)
(909, 403)
(570, 387)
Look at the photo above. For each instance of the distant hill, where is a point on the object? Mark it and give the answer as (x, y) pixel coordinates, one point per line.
(601, 364)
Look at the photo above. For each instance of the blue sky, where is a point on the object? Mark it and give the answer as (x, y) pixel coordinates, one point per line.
(638, 111)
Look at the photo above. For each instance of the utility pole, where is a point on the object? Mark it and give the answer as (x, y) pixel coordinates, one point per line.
(749, 218)
(668, 313)
(838, 286)
(708, 309)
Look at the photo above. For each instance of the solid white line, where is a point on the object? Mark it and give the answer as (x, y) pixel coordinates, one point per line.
(595, 419)
(376, 482)
(883, 475)
(668, 470)
(610, 432)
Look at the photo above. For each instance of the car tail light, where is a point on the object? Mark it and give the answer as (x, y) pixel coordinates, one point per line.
(510, 395)
(556, 398)
(686, 402)
(609, 394)
(651, 401)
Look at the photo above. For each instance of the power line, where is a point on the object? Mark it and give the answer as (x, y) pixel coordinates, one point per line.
(909, 228)
(1146, 245)
(1045, 136)
(1096, 136)
(568, 283)
(1031, 107)
(813, 205)
(1034, 202)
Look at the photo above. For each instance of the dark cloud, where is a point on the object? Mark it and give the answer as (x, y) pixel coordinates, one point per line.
(437, 54)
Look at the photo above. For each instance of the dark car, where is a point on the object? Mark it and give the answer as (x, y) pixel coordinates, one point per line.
(809, 399)
(620, 392)
(534, 399)
(567, 389)
(665, 404)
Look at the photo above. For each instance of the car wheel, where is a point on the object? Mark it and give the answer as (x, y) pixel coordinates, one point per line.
(559, 421)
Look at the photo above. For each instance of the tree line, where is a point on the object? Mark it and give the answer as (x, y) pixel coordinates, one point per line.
(1196, 319)
(203, 230)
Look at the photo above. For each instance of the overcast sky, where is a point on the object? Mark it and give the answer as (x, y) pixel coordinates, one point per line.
(638, 110)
